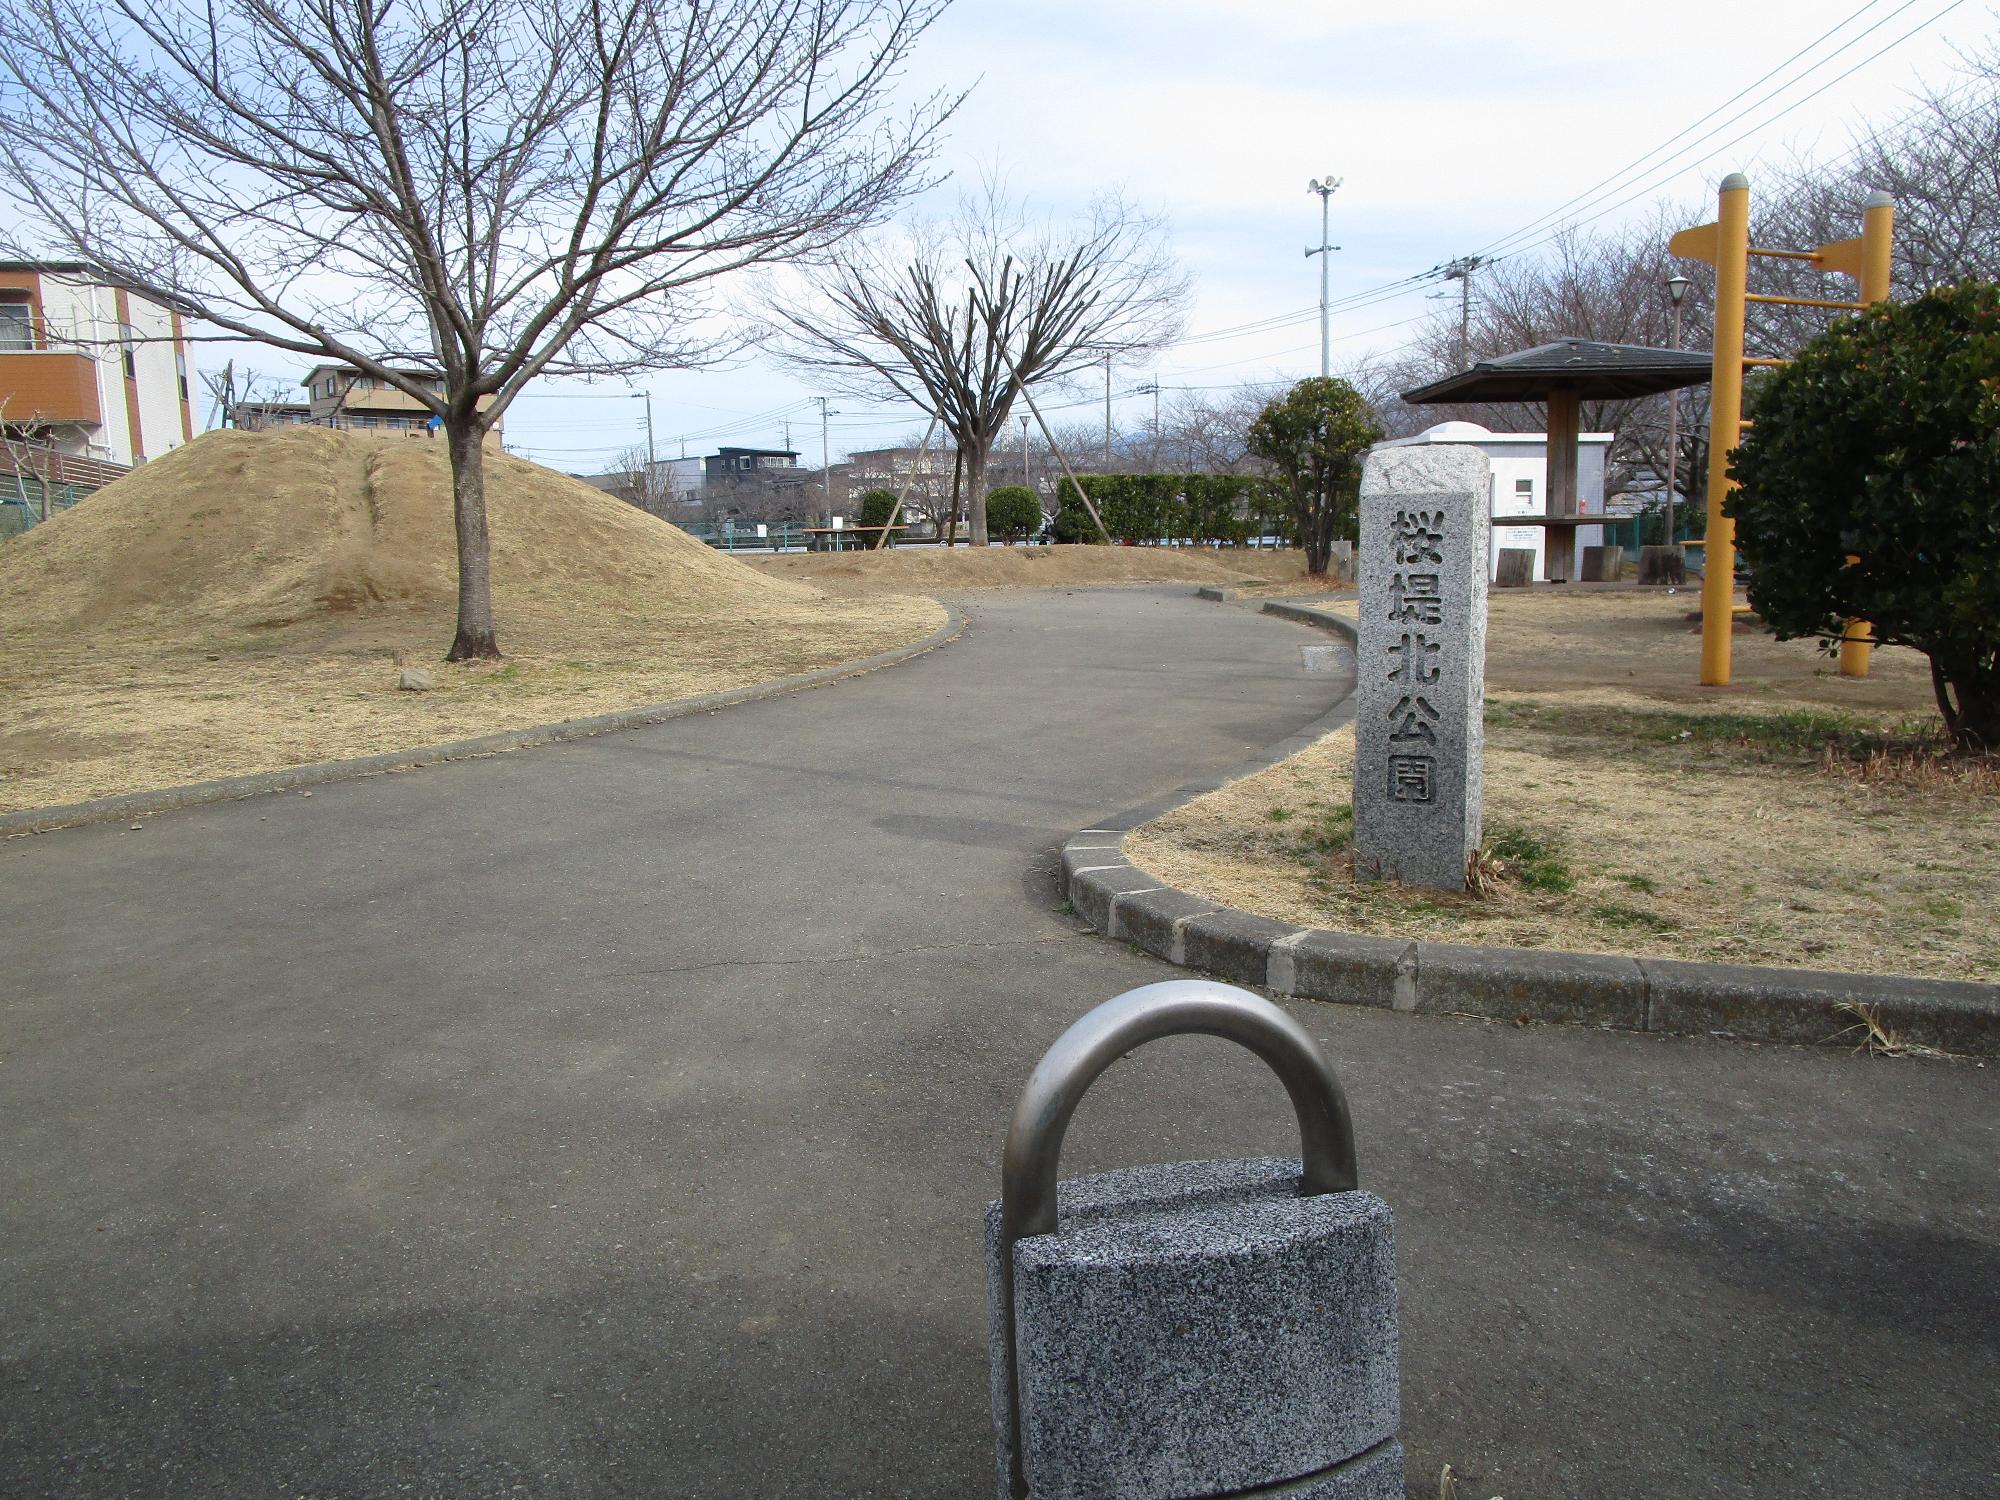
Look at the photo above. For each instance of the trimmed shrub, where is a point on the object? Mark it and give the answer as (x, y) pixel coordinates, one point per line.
(1013, 512)
(1871, 490)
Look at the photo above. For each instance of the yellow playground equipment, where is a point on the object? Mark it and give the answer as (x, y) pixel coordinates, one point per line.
(1725, 244)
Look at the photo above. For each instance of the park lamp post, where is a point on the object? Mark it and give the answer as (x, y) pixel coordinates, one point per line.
(1326, 190)
(1677, 287)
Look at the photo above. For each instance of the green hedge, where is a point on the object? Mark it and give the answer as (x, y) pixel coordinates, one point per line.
(1138, 508)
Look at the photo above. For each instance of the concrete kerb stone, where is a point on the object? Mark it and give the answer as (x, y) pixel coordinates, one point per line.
(1351, 968)
(1232, 945)
(1094, 888)
(1668, 996)
(320, 773)
(1577, 989)
(1155, 920)
(1812, 1006)
(1306, 614)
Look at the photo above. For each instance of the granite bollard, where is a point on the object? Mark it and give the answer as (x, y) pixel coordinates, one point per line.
(1419, 732)
(1192, 1329)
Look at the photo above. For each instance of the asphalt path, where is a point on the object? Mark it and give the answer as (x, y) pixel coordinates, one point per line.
(616, 1119)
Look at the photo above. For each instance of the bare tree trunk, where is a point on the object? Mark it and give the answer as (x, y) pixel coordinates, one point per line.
(975, 501)
(1315, 518)
(474, 641)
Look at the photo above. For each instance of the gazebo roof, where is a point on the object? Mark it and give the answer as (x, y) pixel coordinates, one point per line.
(1589, 369)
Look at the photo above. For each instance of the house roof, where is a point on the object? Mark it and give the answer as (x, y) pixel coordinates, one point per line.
(1593, 370)
(312, 375)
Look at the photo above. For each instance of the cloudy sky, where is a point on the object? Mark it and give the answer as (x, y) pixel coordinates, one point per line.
(1455, 126)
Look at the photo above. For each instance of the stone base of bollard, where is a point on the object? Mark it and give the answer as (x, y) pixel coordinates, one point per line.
(1198, 1329)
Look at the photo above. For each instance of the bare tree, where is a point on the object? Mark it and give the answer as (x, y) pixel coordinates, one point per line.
(1208, 432)
(1608, 286)
(633, 480)
(26, 459)
(456, 196)
(956, 316)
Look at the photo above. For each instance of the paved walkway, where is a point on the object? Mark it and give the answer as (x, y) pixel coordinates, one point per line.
(615, 1119)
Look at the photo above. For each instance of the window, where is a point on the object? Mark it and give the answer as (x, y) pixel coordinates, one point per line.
(181, 370)
(17, 324)
(1524, 486)
(364, 420)
(128, 337)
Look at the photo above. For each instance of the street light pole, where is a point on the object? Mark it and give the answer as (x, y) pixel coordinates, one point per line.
(1676, 290)
(1326, 190)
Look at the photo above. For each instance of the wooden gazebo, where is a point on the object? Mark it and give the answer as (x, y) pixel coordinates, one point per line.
(1564, 375)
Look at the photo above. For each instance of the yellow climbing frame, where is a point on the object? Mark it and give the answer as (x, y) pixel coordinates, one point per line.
(1725, 244)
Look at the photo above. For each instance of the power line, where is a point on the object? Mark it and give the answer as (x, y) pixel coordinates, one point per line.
(1590, 193)
(1660, 182)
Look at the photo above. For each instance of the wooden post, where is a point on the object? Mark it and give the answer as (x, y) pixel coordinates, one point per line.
(1559, 542)
(896, 510)
(1050, 437)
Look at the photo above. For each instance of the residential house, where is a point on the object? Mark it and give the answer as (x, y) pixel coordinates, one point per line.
(93, 375)
(343, 397)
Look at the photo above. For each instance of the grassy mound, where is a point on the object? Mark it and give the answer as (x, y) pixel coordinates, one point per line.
(242, 604)
(308, 527)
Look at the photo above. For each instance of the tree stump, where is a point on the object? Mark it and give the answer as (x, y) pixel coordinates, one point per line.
(1662, 566)
(1603, 564)
(1516, 569)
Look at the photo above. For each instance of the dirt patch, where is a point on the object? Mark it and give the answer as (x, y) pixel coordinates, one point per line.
(242, 605)
(1784, 822)
(954, 570)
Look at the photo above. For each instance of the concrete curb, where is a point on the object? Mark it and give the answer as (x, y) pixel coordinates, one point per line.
(318, 773)
(1666, 996)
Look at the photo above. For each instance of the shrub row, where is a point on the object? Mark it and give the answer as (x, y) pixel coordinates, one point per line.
(1215, 508)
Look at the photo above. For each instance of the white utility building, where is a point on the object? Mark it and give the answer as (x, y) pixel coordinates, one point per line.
(1518, 466)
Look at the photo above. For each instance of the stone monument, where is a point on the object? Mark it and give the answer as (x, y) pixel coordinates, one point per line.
(1419, 735)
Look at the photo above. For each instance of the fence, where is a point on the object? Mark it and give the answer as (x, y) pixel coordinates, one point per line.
(36, 481)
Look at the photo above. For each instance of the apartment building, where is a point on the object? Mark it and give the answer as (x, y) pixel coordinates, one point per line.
(341, 396)
(93, 376)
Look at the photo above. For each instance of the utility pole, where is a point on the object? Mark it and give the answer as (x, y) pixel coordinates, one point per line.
(652, 459)
(1461, 271)
(1324, 251)
(1024, 452)
(1107, 414)
(825, 459)
(1153, 455)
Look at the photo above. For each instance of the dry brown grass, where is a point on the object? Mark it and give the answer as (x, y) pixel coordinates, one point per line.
(240, 605)
(1766, 824)
(955, 570)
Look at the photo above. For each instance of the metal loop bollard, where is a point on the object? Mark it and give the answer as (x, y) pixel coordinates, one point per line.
(1027, 1206)
(1177, 1007)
